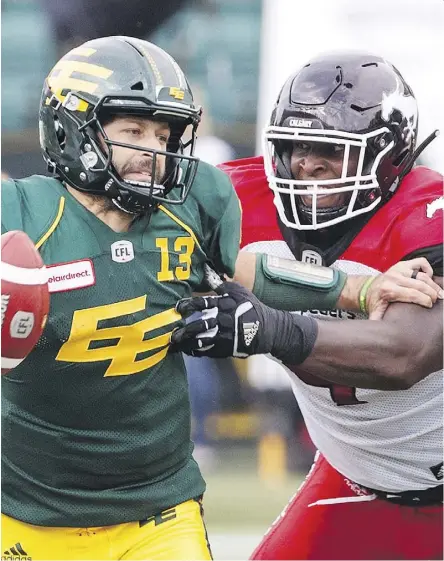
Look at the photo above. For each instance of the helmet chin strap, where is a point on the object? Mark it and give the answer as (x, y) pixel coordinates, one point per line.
(115, 196)
(411, 161)
(125, 210)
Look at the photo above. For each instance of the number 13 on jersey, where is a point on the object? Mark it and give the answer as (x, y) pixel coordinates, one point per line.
(184, 247)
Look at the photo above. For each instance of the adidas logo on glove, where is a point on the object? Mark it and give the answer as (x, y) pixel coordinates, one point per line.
(250, 330)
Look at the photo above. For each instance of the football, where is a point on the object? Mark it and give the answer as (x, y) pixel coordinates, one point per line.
(25, 298)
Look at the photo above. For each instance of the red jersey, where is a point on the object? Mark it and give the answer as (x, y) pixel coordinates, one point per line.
(386, 440)
(392, 437)
(409, 221)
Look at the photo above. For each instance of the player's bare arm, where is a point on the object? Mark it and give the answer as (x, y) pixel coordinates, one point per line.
(409, 345)
(396, 285)
(389, 354)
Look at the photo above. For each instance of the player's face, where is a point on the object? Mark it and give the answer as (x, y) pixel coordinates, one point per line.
(136, 165)
(322, 161)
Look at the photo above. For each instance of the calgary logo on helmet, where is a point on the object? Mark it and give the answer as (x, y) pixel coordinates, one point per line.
(406, 105)
(305, 123)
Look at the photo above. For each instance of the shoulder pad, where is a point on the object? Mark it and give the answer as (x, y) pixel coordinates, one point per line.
(259, 222)
(211, 189)
(410, 221)
(244, 171)
(421, 212)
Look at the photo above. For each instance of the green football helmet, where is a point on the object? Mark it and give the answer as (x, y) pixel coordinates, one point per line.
(117, 76)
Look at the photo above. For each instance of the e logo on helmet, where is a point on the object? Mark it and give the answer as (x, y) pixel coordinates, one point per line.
(406, 105)
(60, 77)
(177, 93)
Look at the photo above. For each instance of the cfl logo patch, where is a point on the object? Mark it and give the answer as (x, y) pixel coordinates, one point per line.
(177, 93)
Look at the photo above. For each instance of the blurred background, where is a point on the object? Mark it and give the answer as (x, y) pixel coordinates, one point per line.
(249, 435)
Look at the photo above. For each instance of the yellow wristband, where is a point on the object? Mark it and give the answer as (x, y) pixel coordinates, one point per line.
(363, 295)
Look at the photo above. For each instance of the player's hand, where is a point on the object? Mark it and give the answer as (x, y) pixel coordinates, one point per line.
(397, 285)
(236, 323)
(232, 324)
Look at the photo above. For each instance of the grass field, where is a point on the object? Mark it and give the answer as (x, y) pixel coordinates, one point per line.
(242, 502)
(239, 506)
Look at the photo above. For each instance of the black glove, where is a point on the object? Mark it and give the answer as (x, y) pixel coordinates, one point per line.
(236, 323)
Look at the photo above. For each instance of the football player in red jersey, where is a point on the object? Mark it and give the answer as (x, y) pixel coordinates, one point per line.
(338, 165)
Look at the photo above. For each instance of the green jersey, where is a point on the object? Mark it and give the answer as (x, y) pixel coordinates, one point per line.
(96, 420)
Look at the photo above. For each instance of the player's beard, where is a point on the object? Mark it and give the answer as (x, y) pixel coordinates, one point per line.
(134, 166)
(143, 166)
(106, 204)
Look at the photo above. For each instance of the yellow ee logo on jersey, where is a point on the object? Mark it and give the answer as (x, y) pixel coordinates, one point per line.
(126, 342)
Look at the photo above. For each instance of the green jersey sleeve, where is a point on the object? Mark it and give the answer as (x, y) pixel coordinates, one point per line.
(220, 214)
(224, 240)
(11, 207)
(30, 204)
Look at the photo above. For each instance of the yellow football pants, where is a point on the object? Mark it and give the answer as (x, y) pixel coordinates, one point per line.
(176, 533)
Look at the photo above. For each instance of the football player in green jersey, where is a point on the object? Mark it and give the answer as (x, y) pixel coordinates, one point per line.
(97, 456)
(96, 420)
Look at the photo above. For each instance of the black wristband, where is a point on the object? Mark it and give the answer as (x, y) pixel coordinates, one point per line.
(295, 337)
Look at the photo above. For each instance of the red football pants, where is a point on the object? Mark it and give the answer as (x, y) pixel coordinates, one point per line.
(332, 518)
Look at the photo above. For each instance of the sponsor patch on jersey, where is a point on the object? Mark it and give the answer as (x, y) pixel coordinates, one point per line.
(122, 251)
(71, 276)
